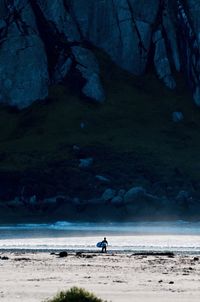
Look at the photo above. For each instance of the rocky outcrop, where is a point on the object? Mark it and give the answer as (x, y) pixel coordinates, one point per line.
(23, 63)
(135, 204)
(47, 42)
(87, 65)
(123, 28)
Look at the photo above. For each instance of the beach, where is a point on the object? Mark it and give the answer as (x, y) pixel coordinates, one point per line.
(117, 277)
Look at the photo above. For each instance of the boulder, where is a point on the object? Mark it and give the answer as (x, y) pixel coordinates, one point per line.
(85, 163)
(102, 178)
(134, 194)
(63, 254)
(33, 200)
(121, 192)
(177, 117)
(108, 194)
(117, 200)
(183, 196)
(87, 65)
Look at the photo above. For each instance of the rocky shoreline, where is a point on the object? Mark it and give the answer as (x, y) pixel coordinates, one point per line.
(131, 205)
(102, 187)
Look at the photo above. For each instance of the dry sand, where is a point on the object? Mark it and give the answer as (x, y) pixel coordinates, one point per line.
(34, 277)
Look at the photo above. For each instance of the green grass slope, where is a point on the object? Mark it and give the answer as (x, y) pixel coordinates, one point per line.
(134, 124)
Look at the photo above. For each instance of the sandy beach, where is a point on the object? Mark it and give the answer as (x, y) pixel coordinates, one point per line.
(34, 277)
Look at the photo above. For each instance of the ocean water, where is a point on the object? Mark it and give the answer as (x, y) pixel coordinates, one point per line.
(180, 236)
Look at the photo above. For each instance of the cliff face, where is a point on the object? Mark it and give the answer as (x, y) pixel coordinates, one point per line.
(43, 42)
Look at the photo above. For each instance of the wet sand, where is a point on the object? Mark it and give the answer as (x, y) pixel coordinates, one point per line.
(34, 277)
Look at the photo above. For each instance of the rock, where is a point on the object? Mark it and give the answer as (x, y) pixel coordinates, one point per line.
(59, 19)
(108, 194)
(102, 178)
(76, 148)
(79, 254)
(177, 116)
(67, 32)
(117, 200)
(61, 69)
(52, 200)
(122, 29)
(4, 258)
(93, 89)
(63, 254)
(171, 32)
(60, 200)
(134, 194)
(33, 200)
(87, 65)
(189, 43)
(88, 256)
(76, 201)
(196, 258)
(183, 196)
(2, 24)
(15, 203)
(3, 9)
(121, 193)
(161, 60)
(86, 163)
(196, 96)
(168, 254)
(21, 41)
(167, 206)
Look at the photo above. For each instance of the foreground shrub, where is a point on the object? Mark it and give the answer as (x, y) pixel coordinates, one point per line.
(76, 294)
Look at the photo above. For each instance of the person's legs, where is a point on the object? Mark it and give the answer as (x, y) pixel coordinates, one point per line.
(104, 249)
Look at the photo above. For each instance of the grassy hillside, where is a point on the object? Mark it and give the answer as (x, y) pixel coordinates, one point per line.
(132, 133)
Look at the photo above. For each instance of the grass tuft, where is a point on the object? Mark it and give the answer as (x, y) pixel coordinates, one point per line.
(76, 294)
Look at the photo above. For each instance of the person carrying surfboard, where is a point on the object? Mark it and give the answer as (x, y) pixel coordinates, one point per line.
(104, 244)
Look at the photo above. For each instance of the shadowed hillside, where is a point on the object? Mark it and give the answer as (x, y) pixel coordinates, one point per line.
(132, 138)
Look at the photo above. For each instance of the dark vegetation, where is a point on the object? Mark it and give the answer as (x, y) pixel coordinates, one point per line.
(76, 295)
(132, 139)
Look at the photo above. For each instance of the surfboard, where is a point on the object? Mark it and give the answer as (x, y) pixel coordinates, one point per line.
(101, 244)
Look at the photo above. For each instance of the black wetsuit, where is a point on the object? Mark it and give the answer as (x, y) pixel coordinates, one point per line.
(104, 245)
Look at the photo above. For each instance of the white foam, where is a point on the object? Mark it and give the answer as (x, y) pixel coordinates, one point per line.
(166, 236)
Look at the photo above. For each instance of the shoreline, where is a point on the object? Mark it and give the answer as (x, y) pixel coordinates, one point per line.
(110, 252)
